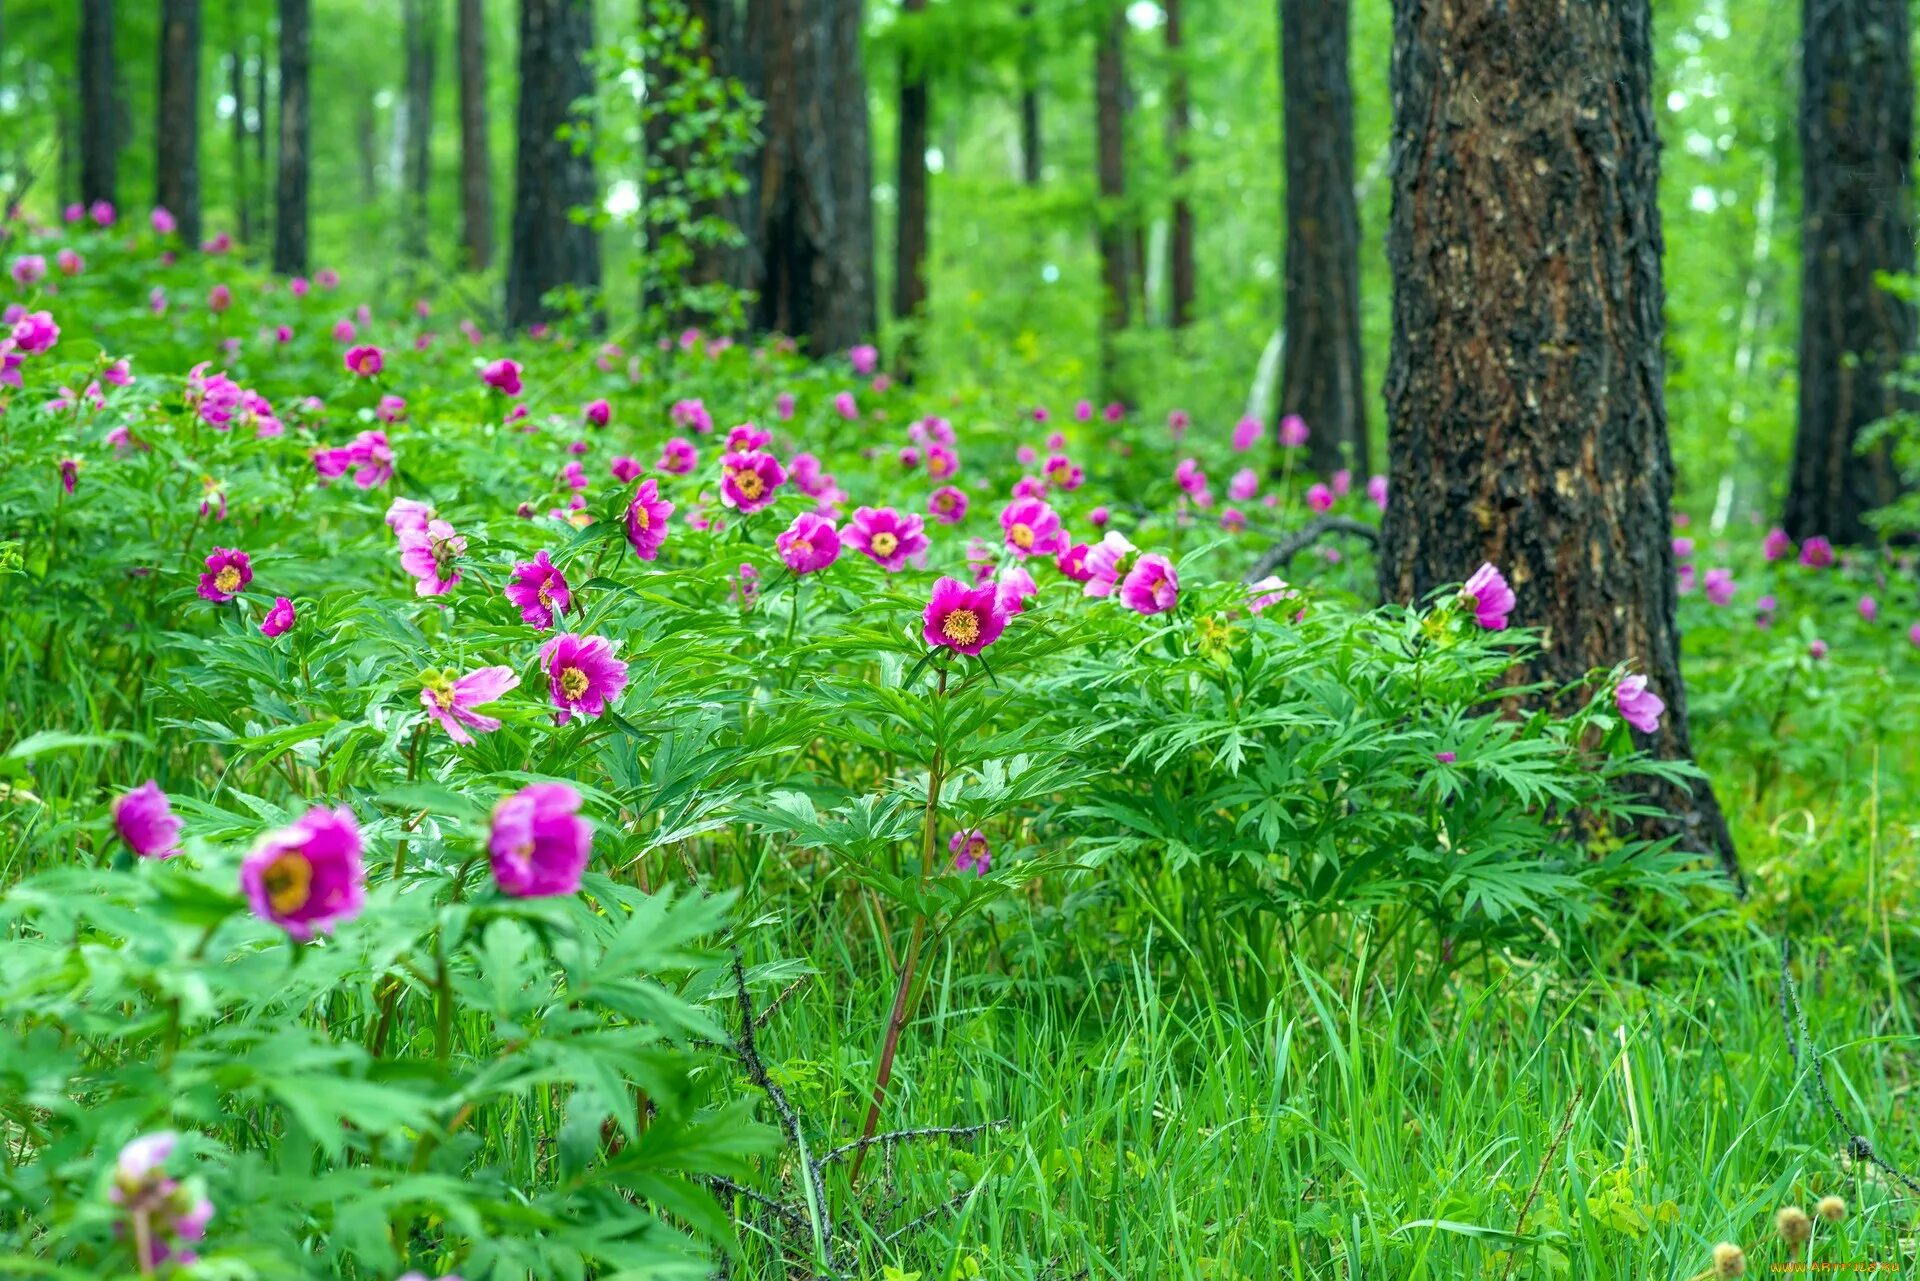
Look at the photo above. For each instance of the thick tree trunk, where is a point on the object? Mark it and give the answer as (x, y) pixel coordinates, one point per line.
(1524, 396)
(476, 163)
(814, 222)
(1109, 75)
(910, 241)
(99, 111)
(1321, 376)
(296, 132)
(1856, 147)
(1180, 309)
(237, 134)
(549, 249)
(1030, 156)
(422, 22)
(177, 137)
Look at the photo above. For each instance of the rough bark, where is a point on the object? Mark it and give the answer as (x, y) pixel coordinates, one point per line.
(813, 224)
(296, 134)
(1524, 393)
(549, 249)
(1109, 76)
(422, 23)
(1321, 378)
(237, 135)
(177, 135)
(99, 112)
(1180, 308)
(910, 241)
(1856, 146)
(1030, 155)
(476, 163)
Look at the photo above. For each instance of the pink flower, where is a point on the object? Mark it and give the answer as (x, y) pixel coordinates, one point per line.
(747, 436)
(647, 518)
(1377, 491)
(1247, 433)
(574, 476)
(1320, 498)
(1083, 411)
(971, 852)
(1719, 585)
(1682, 548)
(598, 413)
(1343, 482)
(101, 211)
(865, 358)
(219, 298)
(810, 544)
(1013, 589)
(1491, 598)
(1244, 485)
(748, 480)
(451, 702)
(1063, 473)
(1913, 635)
(691, 414)
(1032, 528)
(1114, 411)
(539, 845)
(1151, 587)
(1099, 517)
(279, 620)
(1109, 561)
(1177, 423)
(582, 675)
(1270, 591)
(145, 820)
(35, 332)
(366, 362)
(503, 375)
(1293, 431)
(1640, 706)
(69, 473)
(1816, 553)
(1073, 563)
(1869, 609)
(344, 330)
(307, 878)
(886, 537)
(961, 618)
(368, 454)
(625, 468)
(432, 556)
(228, 573)
(540, 590)
(1776, 544)
(71, 263)
(28, 270)
(327, 278)
(1189, 477)
(845, 405)
(678, 456)
(407, 518)
(947, 505)
(163, 222)
(783, 406)
(392, 409)
(746, 587)
(1818, 649)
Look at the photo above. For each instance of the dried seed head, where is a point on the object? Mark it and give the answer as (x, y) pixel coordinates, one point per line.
(1729, 1260)
(1792, 1224)
(1831, 1208)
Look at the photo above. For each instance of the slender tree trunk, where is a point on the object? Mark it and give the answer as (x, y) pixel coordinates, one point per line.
(422, 22)
(1180, 313)
(1856, 148)
(1030, 157)
(814, 223)
(237, 87)
(177, 139)
(296, 126)
(1110, 133)
(1524, 396)
(367, 135)
(910, 242)
(1321, 376)
(549, 249)
(260, 127)
(99, 112)
(476, 163)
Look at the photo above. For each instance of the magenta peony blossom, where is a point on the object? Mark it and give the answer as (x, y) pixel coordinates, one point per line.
(407, 518)
(1682, 548)
(28, 270)
(1320, 498)
(783, 406)
(1869, 609)
(1151, 586)
(647, 518)
(365, 362)
(691, 414)
(368, 455)
(279, 620)
(1032, 528)
(1913, 635)
(1073, 563)
(1816, 553)
(971, 852)
(598, 413)
(1188, 475)
(583, 675)
(625, 468)
(810, 544)
(947, 504)
(1247, 433)
(1640, 706)
(1719, 586)
(228, 573)
(1377, 491)
(748, 480)
(943, 463)
(961, 618)
(145, 820)
(1063, 473)
(35, 332)
(845, 405)
(886, 537)
(451, 701)
(1818, 649)
(1244, 485)
(865, 358)
(746, 436)
(678, 456)
(308, 878)
(1013, 588)
(166, 1217)
(540, 590)
(502, 375)
(1109, 561)
(1293, 431)
(1491, 597)
(539, 845)
(1776, 544)
(392, 409)
(432, 556)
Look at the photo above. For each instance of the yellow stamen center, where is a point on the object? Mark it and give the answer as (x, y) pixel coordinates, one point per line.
(641, 518)
(573, 682)
(747, 482)
(228, 579)
(961, 626)
(288, 881)
(800, 547)
(884, 543)
(1022, 536)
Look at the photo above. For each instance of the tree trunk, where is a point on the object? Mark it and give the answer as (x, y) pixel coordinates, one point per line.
(1030, 157)
(814, 223)
(476, 164)
(237, 86)
(1322, 379)
(296, 127)
(1856, 148)
(1180, 313)
(421, 19)
(1110, 132)
(1524, 393)
(910, 241)
(549, 249)
(177, 140)
(99, 112)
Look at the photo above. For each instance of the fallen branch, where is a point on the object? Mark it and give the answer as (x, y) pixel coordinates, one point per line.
(1306, 536)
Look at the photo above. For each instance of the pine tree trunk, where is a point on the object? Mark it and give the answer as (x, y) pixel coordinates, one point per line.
(1322, 378)
(296, 133)
(177, 138)
(814, 223)
(1180, 311)
(1524, 395)
(1856, 147)
(422, 22)
(1111, 144)
(99, 112)
(1030, 156)
(237, 87)
(910, 242)
(549, 249)
(476, 163)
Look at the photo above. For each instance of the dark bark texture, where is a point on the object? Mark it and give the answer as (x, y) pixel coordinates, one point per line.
(1116, 275)
(1856, 147)
(99, 111)
(237, 135)
(1180, 306)
(295, 168)
(1030, 155)
(549, 249)
(813, 221)
(1524, 394)
(476, 163)
(422, 23)
(910, 242)
(1321, 377)
(177, 135)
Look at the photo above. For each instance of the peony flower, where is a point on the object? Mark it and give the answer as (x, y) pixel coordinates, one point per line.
(1640, 706)
(647, 518)
(502, 375)
(943, 463)
(539, 845)
(1776, 544)
(368, 455)
(783, 406)
(1032, 528)
(845, 405)
(625, 468)
(865, 358)
(28, 270)
(1072, 562)
(692, 414)
(1719, 586)
(1247, 433)
(365, 362)
(971, 852)
(228, 573)
(1189, 477)
(1491, 597)
(748, 479)
(1816, 553)
(1818, 649)
(35, 332)
(746, 437)
(1869, 609)
(886, 537)
(1293, 431)
(810, 544)
(431, 556)
(583, 674)
(1109, 561)
(1151, 586)
(598, 413)
(145, 820)
(168, 1216)
(1013, 588)
(1244, 485)
(746, 586)
(963, 619)
(279, 620)
(1682, 548)
(947, 504)
(407, 518)
(1320, 498)
(219, 298)
(1270, 591)
(1377, 491)
(308, 878)
(392, 409)
(450, 701)
(540, 590)
(1063, 473)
